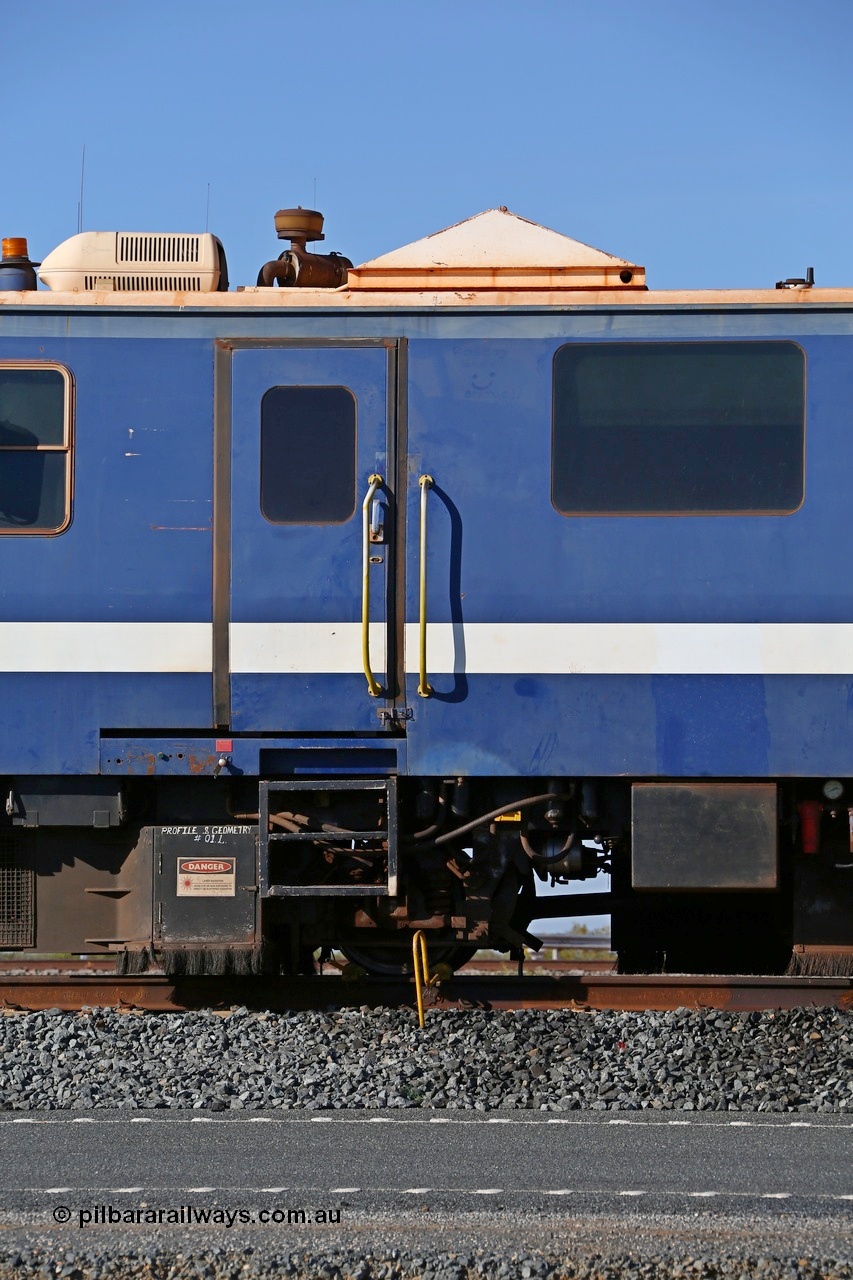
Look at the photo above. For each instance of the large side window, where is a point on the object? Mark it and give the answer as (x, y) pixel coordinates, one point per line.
(308, 470)
(35, 448)
(683, 428)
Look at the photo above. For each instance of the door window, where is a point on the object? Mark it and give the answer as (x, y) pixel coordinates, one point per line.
(308, 455)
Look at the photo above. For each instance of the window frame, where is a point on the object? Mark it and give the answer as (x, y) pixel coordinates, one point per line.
(309, 524)
(678, 512)
(67, 448)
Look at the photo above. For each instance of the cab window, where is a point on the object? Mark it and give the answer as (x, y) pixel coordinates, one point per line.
(691, 428)
(35, 448)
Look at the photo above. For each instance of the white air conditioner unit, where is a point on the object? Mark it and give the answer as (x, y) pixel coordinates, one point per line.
(136, 261)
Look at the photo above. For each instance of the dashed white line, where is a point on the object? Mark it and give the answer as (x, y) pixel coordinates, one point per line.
(600, 1192)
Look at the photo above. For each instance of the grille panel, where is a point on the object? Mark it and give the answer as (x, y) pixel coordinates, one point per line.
(144, 284)
(134, 248)
(17, 890)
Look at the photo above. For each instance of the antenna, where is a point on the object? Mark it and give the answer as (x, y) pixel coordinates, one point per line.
(207, 209)
(80, 203)
(315, 193)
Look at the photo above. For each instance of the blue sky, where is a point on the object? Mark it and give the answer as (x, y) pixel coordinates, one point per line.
(707, 140)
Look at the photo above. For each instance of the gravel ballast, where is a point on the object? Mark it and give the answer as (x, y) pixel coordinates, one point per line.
(785, 1061)
(798, 1060)
(653, 1246)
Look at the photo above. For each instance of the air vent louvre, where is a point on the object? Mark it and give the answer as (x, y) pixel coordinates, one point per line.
(17, 890)
(144, 284)
(155, 248)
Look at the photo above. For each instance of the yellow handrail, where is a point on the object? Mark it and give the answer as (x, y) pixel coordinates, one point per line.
(424, 687)
(420, 963)
(373, 688)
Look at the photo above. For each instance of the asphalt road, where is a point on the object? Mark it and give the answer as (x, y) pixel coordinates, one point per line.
(435, 1158)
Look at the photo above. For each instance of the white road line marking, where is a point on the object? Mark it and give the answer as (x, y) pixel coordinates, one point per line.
(415, 1191)
(455, 1191)
(461, 1118)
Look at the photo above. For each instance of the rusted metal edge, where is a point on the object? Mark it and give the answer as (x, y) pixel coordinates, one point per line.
(154, 993)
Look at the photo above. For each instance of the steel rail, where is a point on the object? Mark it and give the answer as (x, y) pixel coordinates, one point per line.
(578, 991)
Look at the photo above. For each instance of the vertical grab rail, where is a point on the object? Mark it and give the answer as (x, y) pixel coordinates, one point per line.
(424, 687)
(373, 688)
(420, 964)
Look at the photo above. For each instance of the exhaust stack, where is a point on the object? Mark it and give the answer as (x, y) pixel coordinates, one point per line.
(296, 267)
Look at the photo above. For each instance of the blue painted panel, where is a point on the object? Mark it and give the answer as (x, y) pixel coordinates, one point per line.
(678, 726)
(480, 424)
(139, 547)
(52, 723)
(287, 703)
(303, 573)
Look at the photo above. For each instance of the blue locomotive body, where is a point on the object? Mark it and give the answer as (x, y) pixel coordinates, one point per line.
(402, 602)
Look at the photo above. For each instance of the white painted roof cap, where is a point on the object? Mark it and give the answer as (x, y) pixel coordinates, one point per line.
(497, 249)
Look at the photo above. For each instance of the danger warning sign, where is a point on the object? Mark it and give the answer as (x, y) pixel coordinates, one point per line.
(207, 877)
